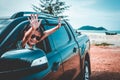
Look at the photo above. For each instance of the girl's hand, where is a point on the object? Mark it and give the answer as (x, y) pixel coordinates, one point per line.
(59, 22)
(34, 21)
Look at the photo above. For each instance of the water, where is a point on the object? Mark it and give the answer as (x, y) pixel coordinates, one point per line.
(98, 37)
(96, 31)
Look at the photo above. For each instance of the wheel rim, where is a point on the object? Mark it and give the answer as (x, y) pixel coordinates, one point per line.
(86, 73)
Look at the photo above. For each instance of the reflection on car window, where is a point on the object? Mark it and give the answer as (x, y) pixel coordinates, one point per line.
(3, 24)
(60, 37)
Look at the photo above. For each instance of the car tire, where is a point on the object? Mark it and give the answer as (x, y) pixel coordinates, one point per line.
(86, 72)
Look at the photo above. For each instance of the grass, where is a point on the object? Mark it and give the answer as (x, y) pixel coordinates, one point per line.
(103, 44)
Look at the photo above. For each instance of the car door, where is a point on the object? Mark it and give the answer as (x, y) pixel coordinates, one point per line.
(55, 68)
(70, 55)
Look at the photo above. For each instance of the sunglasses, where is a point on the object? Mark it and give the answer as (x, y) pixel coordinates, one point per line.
(37, 37)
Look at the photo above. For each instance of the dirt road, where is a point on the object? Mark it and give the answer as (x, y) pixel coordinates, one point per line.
(105, 63)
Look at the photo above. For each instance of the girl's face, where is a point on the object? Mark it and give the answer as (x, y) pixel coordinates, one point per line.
(35, 38)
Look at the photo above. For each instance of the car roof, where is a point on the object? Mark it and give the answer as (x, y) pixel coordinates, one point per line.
(40, 14)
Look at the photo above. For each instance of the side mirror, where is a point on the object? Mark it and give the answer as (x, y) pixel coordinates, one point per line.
(78, 32)
(22, 62)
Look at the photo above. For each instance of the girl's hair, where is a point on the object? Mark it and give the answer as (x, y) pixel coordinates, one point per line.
(40, 30)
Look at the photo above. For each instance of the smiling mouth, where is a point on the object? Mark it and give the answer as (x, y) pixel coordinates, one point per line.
(33, 42)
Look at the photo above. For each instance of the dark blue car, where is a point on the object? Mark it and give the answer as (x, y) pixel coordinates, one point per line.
(64, 55)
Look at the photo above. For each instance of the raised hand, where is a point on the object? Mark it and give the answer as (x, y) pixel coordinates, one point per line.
(59, 22)
(34, 21)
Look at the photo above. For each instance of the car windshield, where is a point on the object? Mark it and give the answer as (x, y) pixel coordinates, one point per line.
(3, 24)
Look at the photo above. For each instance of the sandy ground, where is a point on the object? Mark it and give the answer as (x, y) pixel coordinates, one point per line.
(105, 60)
(105, 63)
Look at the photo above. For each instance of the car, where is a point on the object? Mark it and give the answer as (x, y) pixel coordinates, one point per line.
(64, 55)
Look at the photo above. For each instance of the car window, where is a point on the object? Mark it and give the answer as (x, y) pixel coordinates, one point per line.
(3, 24)
(60, 37)
(44, 44)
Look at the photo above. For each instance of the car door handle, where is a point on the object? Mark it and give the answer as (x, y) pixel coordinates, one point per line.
(55, 66)
(74, 49)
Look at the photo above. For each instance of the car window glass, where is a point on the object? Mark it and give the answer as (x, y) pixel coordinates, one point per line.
(60, 37)
(3, 24)
(44, 44)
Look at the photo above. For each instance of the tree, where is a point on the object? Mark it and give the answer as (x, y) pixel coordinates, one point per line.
(53, 7)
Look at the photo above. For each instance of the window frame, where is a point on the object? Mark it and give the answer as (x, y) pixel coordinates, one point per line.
(53, 44)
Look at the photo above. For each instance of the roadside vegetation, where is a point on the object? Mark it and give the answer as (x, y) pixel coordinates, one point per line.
(103, 44)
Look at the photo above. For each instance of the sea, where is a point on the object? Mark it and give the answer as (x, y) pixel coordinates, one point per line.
(100, 31)
(97, 37)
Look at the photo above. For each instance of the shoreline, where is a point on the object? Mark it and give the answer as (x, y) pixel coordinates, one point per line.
(99, 38)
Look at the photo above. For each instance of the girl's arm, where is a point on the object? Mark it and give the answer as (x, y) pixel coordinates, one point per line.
(50, 31)
(34, 25)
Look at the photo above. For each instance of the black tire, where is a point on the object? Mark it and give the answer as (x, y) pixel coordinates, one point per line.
(86, 72)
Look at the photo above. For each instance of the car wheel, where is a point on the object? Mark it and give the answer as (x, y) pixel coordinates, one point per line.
(86, 74)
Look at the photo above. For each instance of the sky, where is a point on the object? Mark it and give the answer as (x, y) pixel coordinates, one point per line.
(98, 13)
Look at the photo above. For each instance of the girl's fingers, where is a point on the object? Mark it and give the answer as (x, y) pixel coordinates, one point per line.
(34, 20)
(39, 22)
(33, 16)
(36, 16)
(29, 19)
(59, 20)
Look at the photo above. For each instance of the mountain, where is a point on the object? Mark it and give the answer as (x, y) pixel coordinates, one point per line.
(91, 28)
